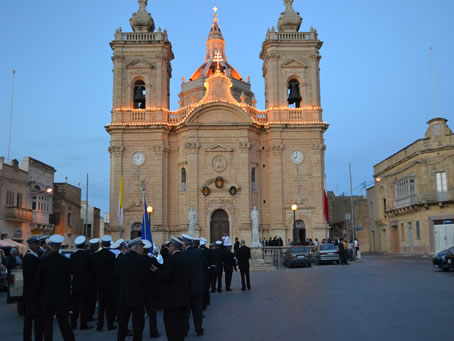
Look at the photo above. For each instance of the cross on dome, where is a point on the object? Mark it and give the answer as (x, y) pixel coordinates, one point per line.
(215, 9)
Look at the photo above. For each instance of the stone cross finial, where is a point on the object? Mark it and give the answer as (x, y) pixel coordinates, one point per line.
(288, 5)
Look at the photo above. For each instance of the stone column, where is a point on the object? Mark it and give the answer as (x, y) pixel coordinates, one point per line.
(191, 148)
(276, 189)
(245, 193)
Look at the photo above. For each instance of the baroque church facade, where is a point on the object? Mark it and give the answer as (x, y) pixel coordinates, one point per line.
(217, 153)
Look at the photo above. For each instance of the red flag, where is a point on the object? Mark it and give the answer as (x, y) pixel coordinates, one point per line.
(325, 206)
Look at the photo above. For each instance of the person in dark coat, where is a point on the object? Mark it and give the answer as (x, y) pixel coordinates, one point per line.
(53, 281)
(236, 247)
(219, 259)
(131, 275)
(197, 265)
(206, 274)
(212, 267)
(93, 294)
(152, 288)
(82, 270)
(342, 252)
(229, 265)
(30, 296)
(176, 291)
(104, 267)
(244, 254)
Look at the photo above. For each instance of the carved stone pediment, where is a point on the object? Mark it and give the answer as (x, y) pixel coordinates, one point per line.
(219, 148)
(139, 64)
(293, 64)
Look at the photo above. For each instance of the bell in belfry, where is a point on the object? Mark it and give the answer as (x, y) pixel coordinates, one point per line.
(294, 93)
(139, 97)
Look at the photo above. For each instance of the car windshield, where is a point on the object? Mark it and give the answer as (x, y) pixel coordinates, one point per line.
(298, 250)
(327, 247)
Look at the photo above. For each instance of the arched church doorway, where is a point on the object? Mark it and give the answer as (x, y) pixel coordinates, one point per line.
(299, 231)
(219, 225)
(136, 230)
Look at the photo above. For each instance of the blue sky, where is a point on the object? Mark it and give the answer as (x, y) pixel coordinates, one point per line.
(376, 82)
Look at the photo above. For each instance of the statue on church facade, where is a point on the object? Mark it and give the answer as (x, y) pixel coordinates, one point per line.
(192, 218)
(255, 228)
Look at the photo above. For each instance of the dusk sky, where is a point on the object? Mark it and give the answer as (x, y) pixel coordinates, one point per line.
(376, 80)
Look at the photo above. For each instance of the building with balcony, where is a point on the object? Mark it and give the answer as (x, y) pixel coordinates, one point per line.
(15, 214)
(217, 153)
(40, 194)
(411, 206)
(67, 208)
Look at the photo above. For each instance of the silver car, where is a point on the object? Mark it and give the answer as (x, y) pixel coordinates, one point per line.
(326, 253)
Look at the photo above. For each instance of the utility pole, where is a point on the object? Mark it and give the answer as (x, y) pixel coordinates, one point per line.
(433, 79)
(351, 202)
(86, 210)
(11, 116)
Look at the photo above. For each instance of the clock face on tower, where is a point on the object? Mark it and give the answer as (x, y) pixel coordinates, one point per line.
(138, 158)
(297, 157)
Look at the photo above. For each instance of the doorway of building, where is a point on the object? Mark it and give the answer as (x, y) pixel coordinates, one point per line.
(395, 239)
(299, 231)
(219, 225)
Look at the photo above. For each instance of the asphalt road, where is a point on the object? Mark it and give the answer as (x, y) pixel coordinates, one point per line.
(378, 298)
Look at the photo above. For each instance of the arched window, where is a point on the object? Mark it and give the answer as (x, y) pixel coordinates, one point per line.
(253, 180)
(140, 95)
(294, 96)
(183, 180)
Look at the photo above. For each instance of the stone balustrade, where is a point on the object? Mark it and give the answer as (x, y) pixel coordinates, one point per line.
(144, 36)
(291, 36)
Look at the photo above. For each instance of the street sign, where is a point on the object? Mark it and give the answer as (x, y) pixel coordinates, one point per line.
(359, 228)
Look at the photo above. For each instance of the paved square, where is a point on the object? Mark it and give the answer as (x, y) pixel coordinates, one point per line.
(379, 298)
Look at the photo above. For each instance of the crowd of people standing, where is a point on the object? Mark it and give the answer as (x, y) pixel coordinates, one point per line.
(126, 279)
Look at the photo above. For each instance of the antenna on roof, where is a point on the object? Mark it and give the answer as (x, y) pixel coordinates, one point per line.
(11, 115)
(433, 79)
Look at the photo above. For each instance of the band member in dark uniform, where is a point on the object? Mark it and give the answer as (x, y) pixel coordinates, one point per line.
(206, 274)
(197, 265)
(244, 254)
(131, 275)
(219, 259)
(104, 267)
(30, 296)
(212, 267)
(53, 282)
(176, 291)
(229, 265)
(152, 288)
(82, 270)
(92, 295)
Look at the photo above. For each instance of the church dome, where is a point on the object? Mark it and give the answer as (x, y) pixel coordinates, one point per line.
(215, 58)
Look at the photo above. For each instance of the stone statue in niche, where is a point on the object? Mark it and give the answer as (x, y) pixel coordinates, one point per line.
(192, 218)
(255, 228)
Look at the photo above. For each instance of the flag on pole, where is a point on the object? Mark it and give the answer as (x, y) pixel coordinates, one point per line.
(325, 206)
(120, 203)
(146, 230)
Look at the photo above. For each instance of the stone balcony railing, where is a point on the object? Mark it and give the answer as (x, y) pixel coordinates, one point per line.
(142, 36)
(157, 116)
(426, 198)
(291, 36)
(22, 215)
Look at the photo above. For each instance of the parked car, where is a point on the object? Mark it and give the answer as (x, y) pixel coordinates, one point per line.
(3, 278)
(298, 256)
(444, 259)
(326, 253)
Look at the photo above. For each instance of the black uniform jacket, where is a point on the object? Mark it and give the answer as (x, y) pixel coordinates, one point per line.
(244, 254)
(30, 269)
(197, 265)
(175, 281)
(219, 258)
(53, 279)
(229, 261)
(131, 277)
(82, 269)
(105, 268)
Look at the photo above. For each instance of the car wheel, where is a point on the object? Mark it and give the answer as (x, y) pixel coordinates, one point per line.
(445, 269)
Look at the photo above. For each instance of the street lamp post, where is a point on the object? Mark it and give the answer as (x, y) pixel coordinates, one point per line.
(150, 211)
(294, 208)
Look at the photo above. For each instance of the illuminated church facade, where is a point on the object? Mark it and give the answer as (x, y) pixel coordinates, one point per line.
(218, 153)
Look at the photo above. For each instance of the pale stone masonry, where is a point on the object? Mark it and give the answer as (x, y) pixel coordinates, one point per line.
(217, 153)
(411, 206)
